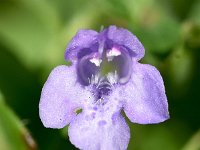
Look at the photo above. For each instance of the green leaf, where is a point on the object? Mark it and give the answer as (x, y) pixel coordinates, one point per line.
(153, 25)
(160, 37)
(66, 8)
(180, 67)
(194, 15)
(28, 29)
(152, 137)
(13, 134)
(34, 31)
(193, 143)
(191, 34)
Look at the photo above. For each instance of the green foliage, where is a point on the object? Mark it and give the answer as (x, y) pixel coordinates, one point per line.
(33, 37)
(13, 134)
(193, 143)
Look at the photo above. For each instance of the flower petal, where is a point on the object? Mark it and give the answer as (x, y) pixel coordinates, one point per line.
(94, 134)
(81, 44)
(61, 95)
(125, 38)
(145, 99)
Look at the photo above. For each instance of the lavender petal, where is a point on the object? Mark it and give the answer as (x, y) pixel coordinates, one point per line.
(96, 134)
(125, 38)
(81, 44)
(61, 95)
(144, 94)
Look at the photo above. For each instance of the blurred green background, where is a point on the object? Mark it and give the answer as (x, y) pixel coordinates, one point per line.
(33, 38)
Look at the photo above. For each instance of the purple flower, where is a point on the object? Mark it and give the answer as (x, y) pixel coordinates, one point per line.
(105, 78)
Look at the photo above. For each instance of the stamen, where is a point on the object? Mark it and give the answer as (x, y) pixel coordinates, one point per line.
(89, 81)
(94, 79)
(112, 77)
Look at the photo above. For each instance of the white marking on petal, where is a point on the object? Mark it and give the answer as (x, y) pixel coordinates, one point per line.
(96, 61)
(112, 53)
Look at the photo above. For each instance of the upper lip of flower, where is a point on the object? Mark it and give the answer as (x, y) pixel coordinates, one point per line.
(135, 87)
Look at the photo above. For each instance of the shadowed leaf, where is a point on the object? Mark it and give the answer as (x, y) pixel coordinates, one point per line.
(13, 135)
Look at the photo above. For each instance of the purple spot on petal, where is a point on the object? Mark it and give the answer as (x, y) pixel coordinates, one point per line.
(93, 115)
(90, 116)
(102, 123)
(115, 117)
(87, 118)
(95, 108)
